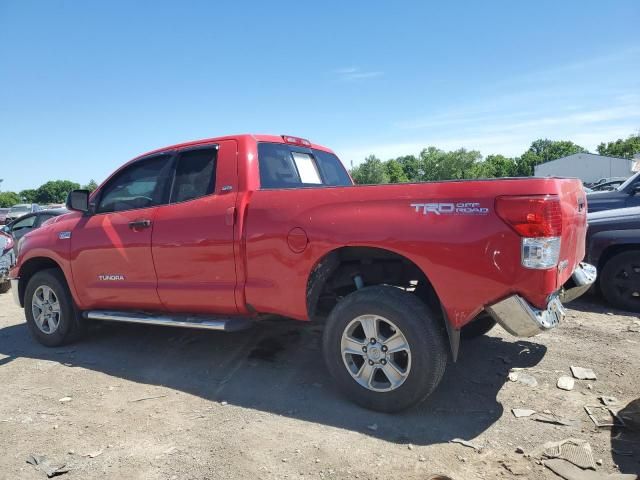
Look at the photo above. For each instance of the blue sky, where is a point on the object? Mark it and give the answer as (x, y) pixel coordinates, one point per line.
(84, 86)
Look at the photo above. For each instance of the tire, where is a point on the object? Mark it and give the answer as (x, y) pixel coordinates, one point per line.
(478, 326)
(5, 286)
(422, 363)
(620, 281)
(66, 323)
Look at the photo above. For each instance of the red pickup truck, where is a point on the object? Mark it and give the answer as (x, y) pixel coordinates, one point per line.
(218, 233)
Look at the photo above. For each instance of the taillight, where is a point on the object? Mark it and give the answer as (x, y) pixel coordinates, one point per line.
(538, 219)
(8, 244)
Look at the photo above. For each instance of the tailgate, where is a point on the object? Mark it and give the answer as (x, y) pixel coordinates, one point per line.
(573, 202)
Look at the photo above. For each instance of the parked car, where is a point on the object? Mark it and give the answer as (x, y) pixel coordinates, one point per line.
(21, 209)
(3, 215)
(7, 260)
(626, 195)
(613, 245)
(25, 224)
(217, 233)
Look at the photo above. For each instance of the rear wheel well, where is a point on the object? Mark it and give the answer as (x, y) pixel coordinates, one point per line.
(337, 274)
(614, 250)
(29, 269)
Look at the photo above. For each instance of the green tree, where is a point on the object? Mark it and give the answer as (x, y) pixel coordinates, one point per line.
(371, 171)
(55, 191)
(545, 150)
(28, 196)
(395, 172)
(496, 166)
(440, 165)
(91, 186)
(8, 199)
(411, 167)
(626, 148)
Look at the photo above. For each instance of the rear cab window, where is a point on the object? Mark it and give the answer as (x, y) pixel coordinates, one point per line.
(287, 166)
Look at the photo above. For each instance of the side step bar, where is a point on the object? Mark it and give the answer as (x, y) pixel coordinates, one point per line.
(186, 321)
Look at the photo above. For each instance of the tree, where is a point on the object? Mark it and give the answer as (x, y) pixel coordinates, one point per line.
(411, 167)
(28, 196)
(496, 166)
(9, 199)
(91, 186)
(626, 148)
(371, 171)
(545, 150)
(395, 172)
(440, 165)
(55, 191)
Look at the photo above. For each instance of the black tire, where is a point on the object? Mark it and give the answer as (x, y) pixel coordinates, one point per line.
(478, 326)
(70, 326)
(620, 281)
(422, 330)
(5, 286)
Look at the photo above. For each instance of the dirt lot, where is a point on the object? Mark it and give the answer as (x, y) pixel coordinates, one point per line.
(162, 403)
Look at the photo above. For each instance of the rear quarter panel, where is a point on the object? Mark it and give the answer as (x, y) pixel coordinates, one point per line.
(471, 259)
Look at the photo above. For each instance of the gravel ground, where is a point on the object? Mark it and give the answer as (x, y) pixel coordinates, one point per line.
(159, 403)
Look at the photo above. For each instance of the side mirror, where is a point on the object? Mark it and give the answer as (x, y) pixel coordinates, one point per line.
(78, 200)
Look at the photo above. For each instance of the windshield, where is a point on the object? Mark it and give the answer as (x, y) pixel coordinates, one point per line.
(20, 209)
(627, 182)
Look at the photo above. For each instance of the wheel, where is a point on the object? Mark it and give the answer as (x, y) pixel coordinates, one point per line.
(385, 349)
(5, 286)
(620, 281)
(49, 309)
(478, 326)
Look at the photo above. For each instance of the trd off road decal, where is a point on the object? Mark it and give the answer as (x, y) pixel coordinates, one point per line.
(450, 208)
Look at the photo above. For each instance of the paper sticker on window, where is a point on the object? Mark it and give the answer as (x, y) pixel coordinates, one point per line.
(306, 168)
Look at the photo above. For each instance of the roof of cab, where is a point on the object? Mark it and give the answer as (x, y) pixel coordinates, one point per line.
(256, 137)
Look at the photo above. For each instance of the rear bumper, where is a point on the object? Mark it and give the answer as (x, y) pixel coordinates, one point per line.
(521, 319)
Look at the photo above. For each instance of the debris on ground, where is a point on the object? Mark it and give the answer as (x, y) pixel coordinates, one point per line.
(95, 454)
(565, 383)
(523, 377)
(65, 399)
(147, 398)
(555, 419)
(635, 327)
(583, 373)
(522, 412)
(608, 401)
(569, 471)
(466, 443)
(519, 450)
(603, 416)
(517, 468)
(42, 463)
(572, 450)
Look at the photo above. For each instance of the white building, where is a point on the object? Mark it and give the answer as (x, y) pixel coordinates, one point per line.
(588, 167)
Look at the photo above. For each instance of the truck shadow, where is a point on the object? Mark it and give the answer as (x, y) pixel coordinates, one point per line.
(277, 367)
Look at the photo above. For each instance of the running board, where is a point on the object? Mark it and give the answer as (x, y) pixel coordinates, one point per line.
(177, 320)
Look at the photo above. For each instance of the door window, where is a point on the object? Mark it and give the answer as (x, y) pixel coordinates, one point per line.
(143, 184)
(28, 222)
(195, 174)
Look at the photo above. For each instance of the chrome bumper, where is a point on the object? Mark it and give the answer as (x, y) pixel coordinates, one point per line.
(521, 319)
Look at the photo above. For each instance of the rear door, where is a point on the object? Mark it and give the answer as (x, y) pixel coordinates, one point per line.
(111, 249)
(193, 235)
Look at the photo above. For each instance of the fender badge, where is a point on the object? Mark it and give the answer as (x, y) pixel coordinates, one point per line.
(64, 235)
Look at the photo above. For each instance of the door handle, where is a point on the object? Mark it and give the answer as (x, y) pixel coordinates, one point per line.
(139, 224)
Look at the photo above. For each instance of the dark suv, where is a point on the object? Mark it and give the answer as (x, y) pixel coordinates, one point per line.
(626, 195)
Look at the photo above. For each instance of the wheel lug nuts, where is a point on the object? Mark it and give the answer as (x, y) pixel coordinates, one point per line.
(372, 341)
(371, 362)
(364, 349)
(384, 348)
(383, 361)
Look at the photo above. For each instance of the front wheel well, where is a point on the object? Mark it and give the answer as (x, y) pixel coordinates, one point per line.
(29, 269)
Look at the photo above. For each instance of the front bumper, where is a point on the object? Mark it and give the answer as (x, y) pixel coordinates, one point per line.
(521, 319)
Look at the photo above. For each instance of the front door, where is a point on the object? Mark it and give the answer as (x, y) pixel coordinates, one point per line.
(193, 235)
(111, 249)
